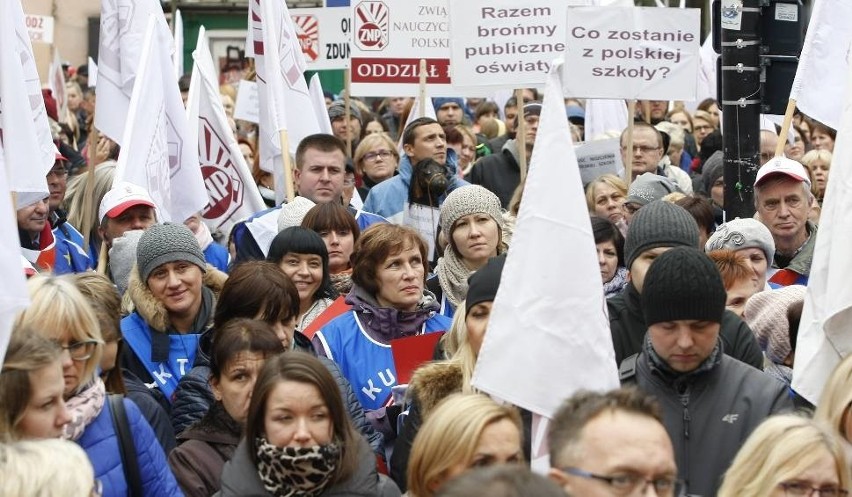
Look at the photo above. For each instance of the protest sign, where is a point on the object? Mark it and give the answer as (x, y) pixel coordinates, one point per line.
(389, 37)
(599, 157)
(499, 43)
(247, 106)
(40, 28)
(632, 52)
(324, 36)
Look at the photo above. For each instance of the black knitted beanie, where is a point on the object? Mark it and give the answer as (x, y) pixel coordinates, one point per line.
(683, 284)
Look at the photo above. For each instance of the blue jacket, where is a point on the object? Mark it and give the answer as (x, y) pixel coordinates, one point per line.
(71, 257)
(217, 256)
(101, 445)
(388, 198)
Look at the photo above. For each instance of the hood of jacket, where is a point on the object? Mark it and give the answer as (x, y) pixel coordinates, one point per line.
(433, 382)
(140, 299)
(406, 168)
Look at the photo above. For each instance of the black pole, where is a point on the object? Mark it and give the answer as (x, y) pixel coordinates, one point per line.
(740, 101)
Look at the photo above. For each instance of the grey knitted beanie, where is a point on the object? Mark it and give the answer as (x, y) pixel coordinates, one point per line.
(167, 242)
(659, 224)
(468, 200)
(739, 234)
(766, 314)
(683, 284)
(712, 170)
(649, 187)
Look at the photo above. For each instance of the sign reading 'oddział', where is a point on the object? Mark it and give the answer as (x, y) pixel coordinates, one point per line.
(632, 52)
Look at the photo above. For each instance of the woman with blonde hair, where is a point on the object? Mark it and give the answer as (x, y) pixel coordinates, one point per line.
(605, 197)
(465, 431)
(376, 159)
(75, 200)
(818, 162)
(836, 399)
(46, 468)
(60, 313)
(31, 388)
(788, 455)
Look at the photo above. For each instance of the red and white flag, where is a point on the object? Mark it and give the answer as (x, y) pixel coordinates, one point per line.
(285, 101)
(823, 72)
(24, 132)
(122, 31)
(825, 330)
(564, 328)
(156, 152)
(56, 83)
(231, 191)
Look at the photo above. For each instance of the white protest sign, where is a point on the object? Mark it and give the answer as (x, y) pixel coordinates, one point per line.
(632, 52)
(40, 28)
(503, 43)
(389, 37)
(324, 36)
(247, 106)
(599, 157)
(424, 219)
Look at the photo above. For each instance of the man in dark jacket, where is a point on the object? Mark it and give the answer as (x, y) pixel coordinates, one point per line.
(710, 402)
(500, 172)
(656, 228)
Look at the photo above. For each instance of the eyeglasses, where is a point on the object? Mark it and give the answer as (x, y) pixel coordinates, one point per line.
(801, 489)
(627, 484)
(371, 156)
(642, 149)
(80, 351)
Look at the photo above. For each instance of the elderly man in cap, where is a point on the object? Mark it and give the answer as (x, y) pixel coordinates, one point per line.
(782, 197)
(125, 207)
(500, 172)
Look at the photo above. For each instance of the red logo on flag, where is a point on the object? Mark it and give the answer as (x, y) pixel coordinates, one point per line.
(224, 188)
(307, 32)
(371, 25)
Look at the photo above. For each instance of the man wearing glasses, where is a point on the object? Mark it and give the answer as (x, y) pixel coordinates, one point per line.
(647, 156)
(611, 444)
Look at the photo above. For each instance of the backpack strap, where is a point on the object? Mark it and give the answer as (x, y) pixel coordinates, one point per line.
(627, 370)
(126, 447)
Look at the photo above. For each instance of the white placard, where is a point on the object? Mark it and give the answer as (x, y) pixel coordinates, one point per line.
(389, 37)
(324, 36)
(599, 157)
(40, 28)
(506, 43)
(632, 52)
(247, 106)
(424, 219)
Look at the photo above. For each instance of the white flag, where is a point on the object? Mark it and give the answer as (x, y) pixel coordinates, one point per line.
(823, 72)
(178, 56)
(230, 187)
(56, 83)
(123, 24)
(318, 100)
(13, 292)
(604, 116)
(706, 87)
(93, 73)
(825, 330)
(285, 101)
(564, 328)
(24, 132)
(156, 153)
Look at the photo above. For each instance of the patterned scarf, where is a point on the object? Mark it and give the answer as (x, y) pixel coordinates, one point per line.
(84, 407)
(617, 283)
(291, 471)
(453, 275)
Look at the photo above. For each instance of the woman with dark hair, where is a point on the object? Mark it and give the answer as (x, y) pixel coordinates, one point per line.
(389, 301)
(610, 246)
(339, 230)
(303, 256)
(822, 137)
(239, 350)
(257, 290)
(299, 440)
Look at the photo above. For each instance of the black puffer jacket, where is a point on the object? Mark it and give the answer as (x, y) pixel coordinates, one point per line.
(194, 397)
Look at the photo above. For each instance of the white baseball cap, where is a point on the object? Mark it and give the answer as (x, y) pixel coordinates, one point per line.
(121, 197)
(782, 165)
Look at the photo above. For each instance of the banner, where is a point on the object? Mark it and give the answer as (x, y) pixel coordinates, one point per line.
(324, 36)
(28, 147)
(633, 52)
(596, 158)
(56, 83)
(247, 106)
(40, 28)
(232, 194)
(156, 153)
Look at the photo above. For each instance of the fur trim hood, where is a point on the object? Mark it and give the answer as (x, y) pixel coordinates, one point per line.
(433, 382)
(140, 299)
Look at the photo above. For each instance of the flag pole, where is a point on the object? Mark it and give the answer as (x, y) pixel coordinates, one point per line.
(628, 166)
(102, 258)
(347, 113)
(421, 111)
(288, 165)
(785, 127)
(646, 110)
(88, 192)
(521, 134)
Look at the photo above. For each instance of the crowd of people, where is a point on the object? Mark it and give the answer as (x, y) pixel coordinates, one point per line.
(327, 345)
